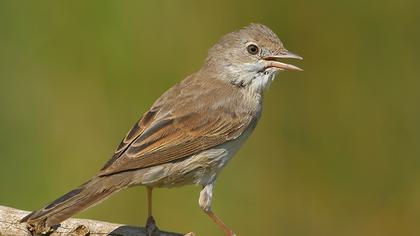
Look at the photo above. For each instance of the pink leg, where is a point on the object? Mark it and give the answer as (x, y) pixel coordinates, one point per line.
(205, 204)
(151, 227)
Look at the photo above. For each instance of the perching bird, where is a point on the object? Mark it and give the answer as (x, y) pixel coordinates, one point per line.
(191, 132)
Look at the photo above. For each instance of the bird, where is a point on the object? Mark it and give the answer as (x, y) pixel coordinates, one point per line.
(191, 131)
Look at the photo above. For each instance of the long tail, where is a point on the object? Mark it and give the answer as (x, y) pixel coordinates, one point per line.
(79, 199)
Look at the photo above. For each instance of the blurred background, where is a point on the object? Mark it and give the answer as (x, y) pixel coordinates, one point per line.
(337, 151)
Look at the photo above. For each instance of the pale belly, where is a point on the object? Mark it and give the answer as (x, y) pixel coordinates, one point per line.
(199, 169)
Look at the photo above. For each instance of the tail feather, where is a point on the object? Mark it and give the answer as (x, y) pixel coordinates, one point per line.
(79, 199)
(48, 209)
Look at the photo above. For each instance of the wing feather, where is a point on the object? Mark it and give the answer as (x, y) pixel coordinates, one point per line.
(170, 131)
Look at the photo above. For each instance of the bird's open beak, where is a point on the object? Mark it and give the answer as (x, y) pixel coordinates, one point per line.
(272, 61)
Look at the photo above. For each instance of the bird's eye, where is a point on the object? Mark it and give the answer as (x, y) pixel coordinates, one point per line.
(252, 49)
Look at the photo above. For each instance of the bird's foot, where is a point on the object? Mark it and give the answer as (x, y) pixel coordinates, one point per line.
(151, 227)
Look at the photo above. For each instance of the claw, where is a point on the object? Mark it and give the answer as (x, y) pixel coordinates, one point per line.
(151, 227)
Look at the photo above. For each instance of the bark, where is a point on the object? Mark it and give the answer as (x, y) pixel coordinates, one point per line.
(10, 226)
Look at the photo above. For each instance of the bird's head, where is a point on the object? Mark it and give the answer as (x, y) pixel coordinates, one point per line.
(249, 57)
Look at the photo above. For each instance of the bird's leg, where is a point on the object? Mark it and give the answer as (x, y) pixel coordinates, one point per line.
(205, 204)
(149, 201)
(151, 227)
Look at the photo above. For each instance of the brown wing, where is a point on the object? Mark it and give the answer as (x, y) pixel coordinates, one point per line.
(171, 131)
(135, 131)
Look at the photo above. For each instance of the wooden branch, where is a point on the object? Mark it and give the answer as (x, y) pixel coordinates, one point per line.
(10, 226)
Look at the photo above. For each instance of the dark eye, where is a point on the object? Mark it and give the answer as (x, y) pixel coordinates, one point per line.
(252, 49)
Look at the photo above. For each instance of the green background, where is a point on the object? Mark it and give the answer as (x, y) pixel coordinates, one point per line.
(337, 151)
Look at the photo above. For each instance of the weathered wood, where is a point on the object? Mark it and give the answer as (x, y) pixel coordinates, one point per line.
(10, 226)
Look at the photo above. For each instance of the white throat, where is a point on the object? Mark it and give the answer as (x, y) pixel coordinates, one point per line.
(252, 76)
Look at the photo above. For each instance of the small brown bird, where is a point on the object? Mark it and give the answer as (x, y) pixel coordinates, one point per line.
(190, 133)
